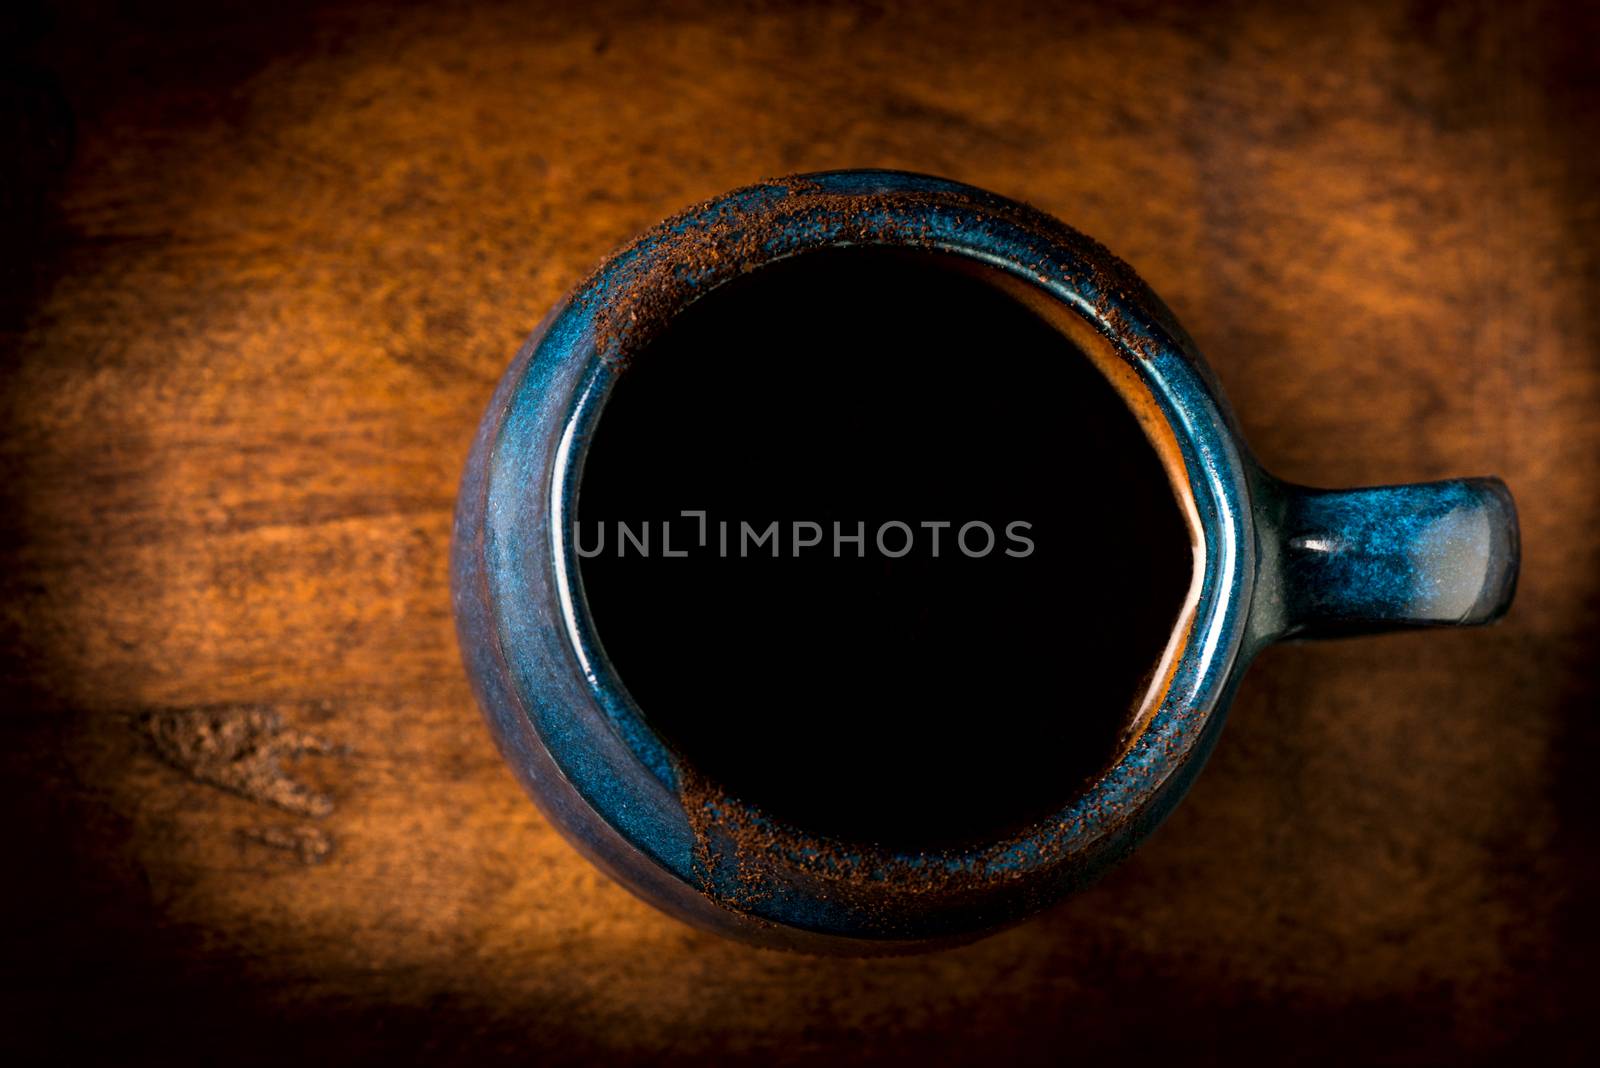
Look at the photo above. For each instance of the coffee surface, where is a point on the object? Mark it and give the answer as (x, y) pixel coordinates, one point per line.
(968, 664)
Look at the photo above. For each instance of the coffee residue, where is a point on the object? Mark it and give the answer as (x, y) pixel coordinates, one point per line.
(689, 252)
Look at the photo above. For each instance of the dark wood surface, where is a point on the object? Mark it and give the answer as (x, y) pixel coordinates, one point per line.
(251, 320)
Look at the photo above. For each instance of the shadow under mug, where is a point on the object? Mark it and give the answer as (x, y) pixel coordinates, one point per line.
(1273, 562)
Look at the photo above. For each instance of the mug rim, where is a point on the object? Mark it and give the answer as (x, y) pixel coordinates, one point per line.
(532, 467)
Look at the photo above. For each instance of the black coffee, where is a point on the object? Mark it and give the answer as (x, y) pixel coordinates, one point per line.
(914, 700)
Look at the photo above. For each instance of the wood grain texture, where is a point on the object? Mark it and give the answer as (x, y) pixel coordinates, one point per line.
(250, 327)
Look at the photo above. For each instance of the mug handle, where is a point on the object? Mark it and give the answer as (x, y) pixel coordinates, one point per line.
(1360, 561)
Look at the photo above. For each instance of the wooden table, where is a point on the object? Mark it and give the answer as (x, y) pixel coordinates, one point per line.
(250, 809)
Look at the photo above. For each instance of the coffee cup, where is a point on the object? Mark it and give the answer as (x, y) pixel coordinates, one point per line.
(856, 737)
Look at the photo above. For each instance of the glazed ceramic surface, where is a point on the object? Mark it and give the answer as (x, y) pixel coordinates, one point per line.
(1275, 562)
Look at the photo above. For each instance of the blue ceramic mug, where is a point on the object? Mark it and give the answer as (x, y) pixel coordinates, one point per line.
(1272, 562)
